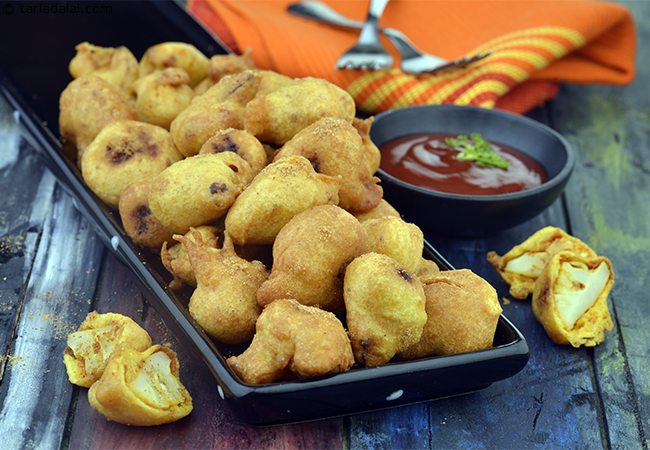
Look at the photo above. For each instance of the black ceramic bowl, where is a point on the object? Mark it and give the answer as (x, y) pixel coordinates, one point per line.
(474, 215)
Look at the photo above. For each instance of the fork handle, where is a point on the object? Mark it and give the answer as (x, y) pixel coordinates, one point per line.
(370, 29)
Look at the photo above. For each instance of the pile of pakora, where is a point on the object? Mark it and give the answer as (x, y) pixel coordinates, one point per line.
(259, 193)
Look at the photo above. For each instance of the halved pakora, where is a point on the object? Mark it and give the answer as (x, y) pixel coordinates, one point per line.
(141, 388)
(523, 263)
(293, 340)
(570, 298)
(90, 347)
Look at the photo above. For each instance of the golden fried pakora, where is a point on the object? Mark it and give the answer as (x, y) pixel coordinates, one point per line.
(197, 190)
(87, 105)
(240, 142)
(402, 241)
(279, 192)
(372, 153)
(334, 147)
(175, 54)
(224, 302)
(523, 263)
(162, 95)
(124, 152)
(137, 219)
(222, 65)
(462, 315)
(383, 209)
(221, 107)
(176, 260)
(570, 298)
(293, 340)
(90, 347)
(427, 269)
(385, 308)
(275, 117)
(310, 255)
(141, 388)
(117, 65)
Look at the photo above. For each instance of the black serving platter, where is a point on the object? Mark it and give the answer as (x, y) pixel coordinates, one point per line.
(37, 46)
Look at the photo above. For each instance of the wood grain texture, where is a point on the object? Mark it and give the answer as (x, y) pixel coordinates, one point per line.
(609, 207)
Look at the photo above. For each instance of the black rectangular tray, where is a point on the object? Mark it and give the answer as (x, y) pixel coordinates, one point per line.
(36, 48)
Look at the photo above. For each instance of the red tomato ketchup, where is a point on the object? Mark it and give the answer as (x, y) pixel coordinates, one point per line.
(425, 160)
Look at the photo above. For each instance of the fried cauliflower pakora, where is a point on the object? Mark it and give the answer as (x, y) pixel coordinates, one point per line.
(90, 347)
(279, 192)
(222, 65)
(310, 255)
(117, 66)
(221, 107)
(87, 105)
(404, 242)
(383, 209)
(334, 147)
(141, 388)
(277, 116)
(293, 340)
(570, 298)
(224, 302)
(137, 219)
(462, 314)
(385, 308)
(175, 54)
(521, 265)
(240, 142)
(176, 260)
(162, 95)
(197, 190)
(124, 152)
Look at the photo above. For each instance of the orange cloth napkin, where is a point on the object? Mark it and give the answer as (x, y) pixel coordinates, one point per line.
(535, 44)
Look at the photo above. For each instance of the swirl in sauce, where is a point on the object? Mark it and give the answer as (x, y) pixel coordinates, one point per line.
(425, 160)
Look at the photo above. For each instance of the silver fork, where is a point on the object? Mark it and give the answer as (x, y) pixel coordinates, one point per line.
(368, 53)
(414, 61)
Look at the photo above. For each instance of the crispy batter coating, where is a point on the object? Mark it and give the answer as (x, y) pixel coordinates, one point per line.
(404, 242)
(197, 190)
(222, 65)
(334, 147)
(175, 54)
(523, 263)
(137, 219)
(277, 116)
(372, 153)
(118, 66)
(176, 260)
(141, 388)
(221, 107)
(224, 302)
(162, 95)
(279, 192)
(87, 105)
(90, 347)
(462, 314)
(293, 339)
(124, 152)
(383, 209)
(240, 142)
(310, 255)
(570, 298)
(385, 308)
(427, 269)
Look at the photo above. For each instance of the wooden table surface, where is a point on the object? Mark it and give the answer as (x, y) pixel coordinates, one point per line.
(54, 270)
